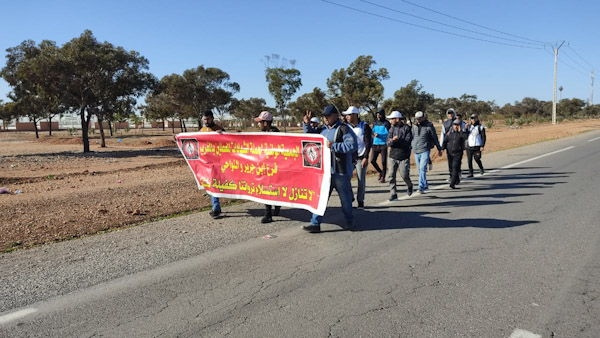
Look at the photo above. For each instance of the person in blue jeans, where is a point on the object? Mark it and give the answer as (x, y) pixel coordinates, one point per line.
(209, 126)
(342, 142)
(424, 138)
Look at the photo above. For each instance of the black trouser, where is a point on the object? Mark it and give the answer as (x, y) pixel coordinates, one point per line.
(375, 151)
(455, 161)
(474, 152)
(268, 209)
(448, 155)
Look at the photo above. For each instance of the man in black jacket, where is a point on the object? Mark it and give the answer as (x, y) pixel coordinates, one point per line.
(399, 139)
(454, 143)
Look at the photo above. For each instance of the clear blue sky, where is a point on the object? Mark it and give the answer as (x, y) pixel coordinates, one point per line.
(236, 35)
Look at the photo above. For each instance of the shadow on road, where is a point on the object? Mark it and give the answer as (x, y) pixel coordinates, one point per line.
(489, 190)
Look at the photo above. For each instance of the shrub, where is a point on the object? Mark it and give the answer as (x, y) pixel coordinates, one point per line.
(509, 121)
(489, 124)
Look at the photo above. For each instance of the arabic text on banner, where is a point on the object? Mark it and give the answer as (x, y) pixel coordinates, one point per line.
(282, 169)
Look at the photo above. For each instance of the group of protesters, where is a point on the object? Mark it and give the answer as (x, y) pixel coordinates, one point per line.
(354, 144)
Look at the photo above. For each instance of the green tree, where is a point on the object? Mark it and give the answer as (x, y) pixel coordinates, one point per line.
(412, 98)
(358, 85)
(246, 110)
(95, 77)
(28, 71)
(314, 101)
(203, 89)
(159, 107)
(283, 82)
(570, 108)
(6, 113)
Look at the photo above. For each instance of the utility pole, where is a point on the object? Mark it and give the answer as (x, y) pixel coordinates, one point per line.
(592, 90)
(554, 96)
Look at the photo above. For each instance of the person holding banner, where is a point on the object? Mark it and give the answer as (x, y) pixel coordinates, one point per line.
(342, 142)
(209, 125)
(265, 121)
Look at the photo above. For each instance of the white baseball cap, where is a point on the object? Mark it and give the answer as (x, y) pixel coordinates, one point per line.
(395, 115)
(419, 114)
(351, 110)
(315, 120)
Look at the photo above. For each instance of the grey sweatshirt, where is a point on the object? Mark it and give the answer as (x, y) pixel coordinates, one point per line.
(424, 137)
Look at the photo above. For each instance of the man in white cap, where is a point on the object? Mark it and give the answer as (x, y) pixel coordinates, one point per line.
(314, 122)
(364, 137)
(424, 138)
(399, 140)
(265, 121)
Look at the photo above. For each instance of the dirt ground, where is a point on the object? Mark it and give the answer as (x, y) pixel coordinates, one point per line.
(138, 177)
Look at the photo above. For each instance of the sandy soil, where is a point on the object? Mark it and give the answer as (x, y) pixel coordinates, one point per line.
(137, 178)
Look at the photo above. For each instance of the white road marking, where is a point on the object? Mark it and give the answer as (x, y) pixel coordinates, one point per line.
(536, 158)
(16, 315)
(518, 333)
(594, 139)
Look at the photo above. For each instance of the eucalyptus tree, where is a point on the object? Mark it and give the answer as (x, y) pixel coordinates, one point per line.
(358, 85)
(412, 98)
(30, 73)
(6, 113)
(205, 88)
(283, 80)
(248, 109)
(95, 75)
(314, 101)
(122, 79)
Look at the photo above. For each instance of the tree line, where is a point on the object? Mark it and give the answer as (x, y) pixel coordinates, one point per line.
(91, 78)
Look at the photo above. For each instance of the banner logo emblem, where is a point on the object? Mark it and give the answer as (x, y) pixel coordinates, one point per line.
(311, 154)
(190, 148)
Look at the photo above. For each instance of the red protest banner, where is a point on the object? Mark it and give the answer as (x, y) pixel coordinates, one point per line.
(282, 169)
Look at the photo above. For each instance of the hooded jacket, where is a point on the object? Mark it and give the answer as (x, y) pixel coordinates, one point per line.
(424, 137)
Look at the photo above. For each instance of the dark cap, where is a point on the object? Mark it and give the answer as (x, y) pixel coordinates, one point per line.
(456, 122)
(381, 111)
(330, 109)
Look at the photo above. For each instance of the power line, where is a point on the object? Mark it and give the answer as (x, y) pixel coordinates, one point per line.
(577, 63)
(428, 28)
(566, 64)
(584, 60)
(452, 26)
(471, 23)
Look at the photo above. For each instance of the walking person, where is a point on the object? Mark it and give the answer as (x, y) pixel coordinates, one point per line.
(364, 138)
(454, 144)
(265, 123)
(342, 142)
(424, 139)
(475, 143)
(447, 128)
(428, 123)
(380, 133)
(208, 120)
(399, 140)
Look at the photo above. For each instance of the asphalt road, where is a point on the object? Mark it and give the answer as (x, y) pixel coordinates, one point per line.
(513, 253)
